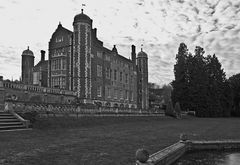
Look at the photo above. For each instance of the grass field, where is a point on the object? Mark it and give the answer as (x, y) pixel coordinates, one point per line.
(105, 140)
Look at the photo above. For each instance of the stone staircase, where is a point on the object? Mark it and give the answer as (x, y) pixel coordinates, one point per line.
(10, 122)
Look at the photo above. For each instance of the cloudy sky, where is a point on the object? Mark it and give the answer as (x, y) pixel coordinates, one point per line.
(160, 25)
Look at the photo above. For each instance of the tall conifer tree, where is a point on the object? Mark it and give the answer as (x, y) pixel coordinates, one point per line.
(180, 86)
(200, 83)
(234, 82)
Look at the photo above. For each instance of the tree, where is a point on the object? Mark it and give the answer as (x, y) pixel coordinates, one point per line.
(216, 87)
(178, 110)
(227, 99)
(166, 93)
(155, 95)
(200, 84)
(180, 87)
(170, 110)
(234, 83)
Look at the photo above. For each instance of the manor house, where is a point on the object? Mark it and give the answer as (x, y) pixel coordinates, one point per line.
(78, 61)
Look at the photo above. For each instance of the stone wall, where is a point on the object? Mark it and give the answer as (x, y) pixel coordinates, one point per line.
(166, 156)
(214, 145)
(170, 154)
(2, 94)
(30, 93)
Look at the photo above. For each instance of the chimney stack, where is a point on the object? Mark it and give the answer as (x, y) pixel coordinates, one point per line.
(43, 55)
(133, 53)
(95, 32)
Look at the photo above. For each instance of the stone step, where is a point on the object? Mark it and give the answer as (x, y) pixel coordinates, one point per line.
(19, 129)
(8, 120)
(10, 123)
(8, 127)
(5, 114)
(7, 117)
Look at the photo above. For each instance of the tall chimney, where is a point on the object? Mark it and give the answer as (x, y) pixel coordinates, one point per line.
(43, 55)
(133, 54)
(95, 32)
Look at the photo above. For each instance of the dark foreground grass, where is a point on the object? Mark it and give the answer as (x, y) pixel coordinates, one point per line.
(105, 140)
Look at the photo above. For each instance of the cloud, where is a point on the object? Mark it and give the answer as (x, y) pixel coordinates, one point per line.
(10, 62)
(196, 10)
(159, 25)
(14, 2)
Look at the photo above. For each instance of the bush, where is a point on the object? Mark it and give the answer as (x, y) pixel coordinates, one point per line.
(191, 113)
(142, 155)
(235, 113)
(31, 116)
(164, 107)
(170, 110)
(178, 110)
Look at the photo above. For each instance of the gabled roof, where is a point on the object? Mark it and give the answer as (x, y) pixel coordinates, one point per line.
(61, 28)
(42, 64)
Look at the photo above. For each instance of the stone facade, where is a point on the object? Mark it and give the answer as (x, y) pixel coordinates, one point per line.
(60, 59)
(79, 62)
(40, 71)
(97, 74)
(142, 70)
(32, 94)
(82, 57)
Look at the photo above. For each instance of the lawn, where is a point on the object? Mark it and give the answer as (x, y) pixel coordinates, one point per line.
(105, 140)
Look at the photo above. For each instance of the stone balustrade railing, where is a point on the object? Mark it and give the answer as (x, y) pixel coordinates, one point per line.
(169, 155)
(32, 88)
(22, 107)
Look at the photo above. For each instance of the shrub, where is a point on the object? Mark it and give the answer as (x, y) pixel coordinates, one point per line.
(31, 116)
(142, 155)
(170, 110)
(191, 113)
(164, 107)
(178, 110)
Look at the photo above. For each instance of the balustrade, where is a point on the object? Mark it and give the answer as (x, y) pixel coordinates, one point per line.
(32, 88)
(43, 108)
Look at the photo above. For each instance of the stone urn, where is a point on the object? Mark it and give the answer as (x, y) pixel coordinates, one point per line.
(142, 155)
(183, 137)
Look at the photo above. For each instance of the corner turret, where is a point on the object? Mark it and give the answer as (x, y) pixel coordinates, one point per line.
(142, 80)
(27, 66)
